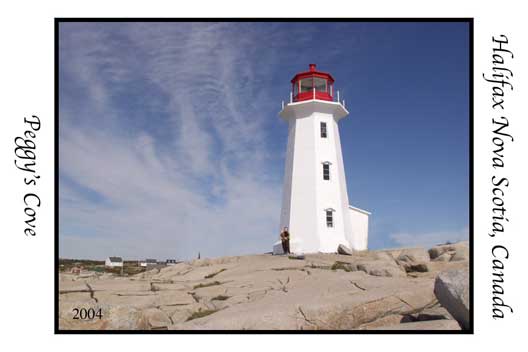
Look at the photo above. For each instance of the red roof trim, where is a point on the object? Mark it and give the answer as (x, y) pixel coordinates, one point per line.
(313, 73)
(302, 75)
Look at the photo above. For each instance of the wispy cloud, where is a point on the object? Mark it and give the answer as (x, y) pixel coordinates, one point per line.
(184, 172)
(429, 239)
(170, 142)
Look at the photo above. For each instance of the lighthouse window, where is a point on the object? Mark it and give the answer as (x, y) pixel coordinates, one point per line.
(329, 219)
(320, 84)
(306, 85)
(323, 129)
(326, 171)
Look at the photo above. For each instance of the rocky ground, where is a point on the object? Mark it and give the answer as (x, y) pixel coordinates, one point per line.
(387, 290)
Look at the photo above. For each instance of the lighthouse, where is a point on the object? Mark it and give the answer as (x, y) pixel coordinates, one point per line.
(315, 204)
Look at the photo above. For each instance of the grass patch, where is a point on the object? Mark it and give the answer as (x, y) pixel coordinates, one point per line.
(207, 284)
(282, 269)
(201, 313)
(314, 266)
(154, 288)
(296, 257)
(341, 265)
(220, 298)
(214, 274)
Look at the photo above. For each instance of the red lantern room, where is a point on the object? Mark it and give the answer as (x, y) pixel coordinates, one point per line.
(312, 84)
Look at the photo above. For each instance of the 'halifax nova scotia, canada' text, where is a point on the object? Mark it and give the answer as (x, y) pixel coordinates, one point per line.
(500, 79)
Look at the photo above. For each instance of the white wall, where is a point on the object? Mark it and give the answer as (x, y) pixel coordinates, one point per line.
(359, 228)
(110, 264)
(305, 194)
(286, 193)
(330, 193)
(340, 169)
(302, 198)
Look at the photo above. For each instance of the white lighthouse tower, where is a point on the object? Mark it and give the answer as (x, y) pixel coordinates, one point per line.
(315, 204)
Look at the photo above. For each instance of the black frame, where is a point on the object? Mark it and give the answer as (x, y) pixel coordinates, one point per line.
(57, 21)
(329, 217)
(326, 171)
(323, 130)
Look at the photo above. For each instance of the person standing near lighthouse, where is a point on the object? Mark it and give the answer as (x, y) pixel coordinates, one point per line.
(285, 240)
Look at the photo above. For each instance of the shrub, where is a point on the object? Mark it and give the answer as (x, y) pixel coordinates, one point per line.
(214, 274)
(201, 313)
(207, 284)
(341, 265)
(220, 298)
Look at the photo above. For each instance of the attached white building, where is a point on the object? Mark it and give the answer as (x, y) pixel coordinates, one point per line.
(315, 204)
(112, 262)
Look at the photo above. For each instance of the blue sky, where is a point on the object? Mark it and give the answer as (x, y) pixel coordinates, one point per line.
(170, 142)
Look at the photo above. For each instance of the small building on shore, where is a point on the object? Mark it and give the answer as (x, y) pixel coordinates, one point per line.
(171, 262)
(148, 262)
(114, 262)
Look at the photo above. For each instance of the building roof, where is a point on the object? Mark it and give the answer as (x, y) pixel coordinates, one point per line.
(115, 259)
(312, 73)
(359, 210)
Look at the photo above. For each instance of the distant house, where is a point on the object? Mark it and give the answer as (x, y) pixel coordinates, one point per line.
(113, 262)
(171, 262)
(148, 262)
(76, 270)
